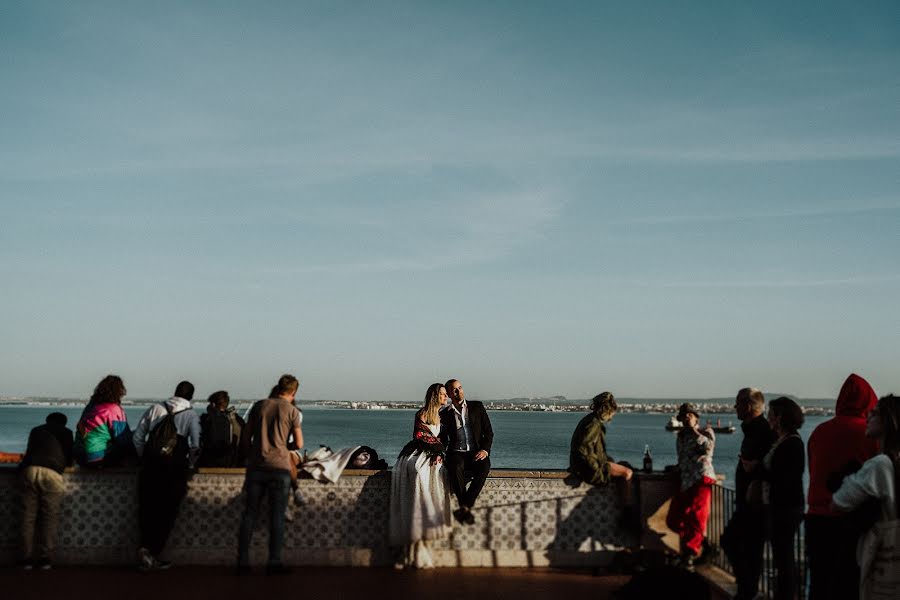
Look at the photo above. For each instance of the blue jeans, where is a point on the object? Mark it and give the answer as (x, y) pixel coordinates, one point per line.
(257, 483)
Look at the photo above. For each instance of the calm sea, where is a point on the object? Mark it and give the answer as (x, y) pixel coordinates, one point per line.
(522, 440)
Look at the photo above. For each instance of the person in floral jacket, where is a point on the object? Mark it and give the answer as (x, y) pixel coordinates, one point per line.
(689, 509)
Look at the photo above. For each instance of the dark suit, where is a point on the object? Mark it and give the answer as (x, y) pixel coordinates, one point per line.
(457, 462)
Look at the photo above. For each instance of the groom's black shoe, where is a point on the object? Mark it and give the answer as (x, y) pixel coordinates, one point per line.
(469, 518)
(460, 515)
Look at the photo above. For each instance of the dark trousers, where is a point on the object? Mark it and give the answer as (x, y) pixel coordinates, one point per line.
(160, 492)
(257, 484)
(785, 522)
(831, 557)
(743, 541)
(457, 464)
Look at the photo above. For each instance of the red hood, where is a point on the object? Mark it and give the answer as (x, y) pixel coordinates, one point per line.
(857, 398)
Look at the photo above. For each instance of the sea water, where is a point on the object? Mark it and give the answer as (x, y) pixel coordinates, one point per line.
(522, 440)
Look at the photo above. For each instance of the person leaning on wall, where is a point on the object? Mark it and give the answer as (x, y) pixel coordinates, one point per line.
(588, 459)
(48, 453)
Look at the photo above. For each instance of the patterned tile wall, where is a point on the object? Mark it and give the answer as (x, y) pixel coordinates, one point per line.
(527, 520)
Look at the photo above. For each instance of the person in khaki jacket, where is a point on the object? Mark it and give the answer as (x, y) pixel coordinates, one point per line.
(587, 454)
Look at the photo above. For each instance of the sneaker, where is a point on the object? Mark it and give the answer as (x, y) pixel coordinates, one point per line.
(161, 565)
(145, 560)
(687, 562)
(43, 564)
(278, 569)
(25, 564)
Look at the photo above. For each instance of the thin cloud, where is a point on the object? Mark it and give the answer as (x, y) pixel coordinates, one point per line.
(749, 284)
(487, 228)
(787, 214)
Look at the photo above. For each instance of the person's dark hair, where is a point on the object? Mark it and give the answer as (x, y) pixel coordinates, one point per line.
(449, 383)
(788, 413)
(220, 399)
(57, 418)
(185, 390)
(888, 409)
(287, 384)
(110, 390)
(604, 404)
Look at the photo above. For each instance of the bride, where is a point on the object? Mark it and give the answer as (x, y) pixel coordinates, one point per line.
(420, 498)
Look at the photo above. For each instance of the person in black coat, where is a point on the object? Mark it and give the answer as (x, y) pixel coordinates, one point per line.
(782, 491)
(48, 454)
(744, 536)
(466, 433)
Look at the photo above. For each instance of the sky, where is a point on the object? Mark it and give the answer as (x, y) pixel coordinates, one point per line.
(538, 198)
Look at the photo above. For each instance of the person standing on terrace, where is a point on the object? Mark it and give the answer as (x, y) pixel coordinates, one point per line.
(836, 448)
(102, 435)
(744, 536)
(163, 478)
(876, 481)
(782, 490)
(270, 424)
(48, 454)
(587, 452)
(689, 509)
(467, 434)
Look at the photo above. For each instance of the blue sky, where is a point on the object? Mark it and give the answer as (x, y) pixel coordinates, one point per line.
(537, 198)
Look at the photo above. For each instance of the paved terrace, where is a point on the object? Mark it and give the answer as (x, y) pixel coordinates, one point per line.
(195, 583)
(536, 536)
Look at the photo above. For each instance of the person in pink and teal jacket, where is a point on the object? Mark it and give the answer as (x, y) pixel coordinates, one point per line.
(102, 436)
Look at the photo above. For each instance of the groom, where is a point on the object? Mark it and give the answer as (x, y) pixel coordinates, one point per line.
(466, 433)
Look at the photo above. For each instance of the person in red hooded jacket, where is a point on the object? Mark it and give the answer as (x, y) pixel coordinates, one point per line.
(836, 448)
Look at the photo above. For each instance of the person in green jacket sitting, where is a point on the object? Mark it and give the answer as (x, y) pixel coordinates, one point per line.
(587, 457)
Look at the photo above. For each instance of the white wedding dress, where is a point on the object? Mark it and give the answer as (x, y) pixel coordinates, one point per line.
(420, 505)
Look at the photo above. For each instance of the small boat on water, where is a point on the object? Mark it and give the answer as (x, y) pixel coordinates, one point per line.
(675, 425)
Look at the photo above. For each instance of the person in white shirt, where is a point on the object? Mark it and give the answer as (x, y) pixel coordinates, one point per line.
(876, 479)
(162, 482)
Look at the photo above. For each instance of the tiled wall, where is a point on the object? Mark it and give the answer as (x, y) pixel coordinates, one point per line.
(523, 519)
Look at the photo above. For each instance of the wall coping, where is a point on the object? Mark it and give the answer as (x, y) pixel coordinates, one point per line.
(498, 473)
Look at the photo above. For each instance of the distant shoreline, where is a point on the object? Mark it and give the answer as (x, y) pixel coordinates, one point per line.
(557, 404)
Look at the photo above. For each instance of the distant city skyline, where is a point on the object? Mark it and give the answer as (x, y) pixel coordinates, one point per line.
(659, 200)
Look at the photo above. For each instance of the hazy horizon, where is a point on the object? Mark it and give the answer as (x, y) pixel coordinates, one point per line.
(656, 199)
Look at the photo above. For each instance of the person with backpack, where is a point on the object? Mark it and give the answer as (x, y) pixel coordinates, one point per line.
(220, 433)
(167, 439)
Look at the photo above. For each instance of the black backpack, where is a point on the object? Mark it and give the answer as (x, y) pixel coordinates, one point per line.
(220, 437)
(216, 433)
(163, 442)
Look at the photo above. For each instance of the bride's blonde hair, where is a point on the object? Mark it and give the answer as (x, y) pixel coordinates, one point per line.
(429, 412)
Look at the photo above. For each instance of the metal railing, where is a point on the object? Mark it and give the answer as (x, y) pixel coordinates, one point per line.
(721, 510)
